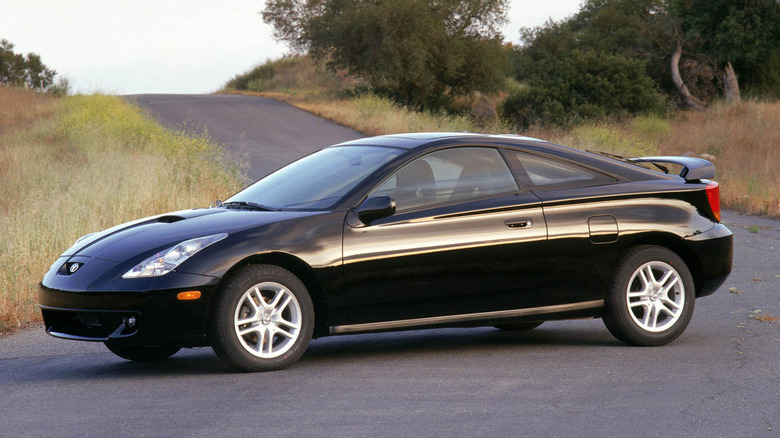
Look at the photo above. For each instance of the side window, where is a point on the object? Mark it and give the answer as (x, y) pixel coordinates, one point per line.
(448, 175)
(545, 171)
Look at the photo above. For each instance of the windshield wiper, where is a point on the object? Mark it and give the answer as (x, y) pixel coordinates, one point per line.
(247, 206)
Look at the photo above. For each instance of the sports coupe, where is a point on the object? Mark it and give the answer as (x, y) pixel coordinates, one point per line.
(401, 232)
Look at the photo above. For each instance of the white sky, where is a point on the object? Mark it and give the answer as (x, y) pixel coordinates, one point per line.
(170, 46)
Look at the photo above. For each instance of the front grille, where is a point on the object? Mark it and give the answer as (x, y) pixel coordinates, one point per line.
(89, 325)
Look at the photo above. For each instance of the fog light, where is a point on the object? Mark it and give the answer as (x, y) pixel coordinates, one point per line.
(189, 295)
(131, 321)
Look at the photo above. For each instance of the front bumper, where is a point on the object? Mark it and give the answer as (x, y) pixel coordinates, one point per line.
(147, 317)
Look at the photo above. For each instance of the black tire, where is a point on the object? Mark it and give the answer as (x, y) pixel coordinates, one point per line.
(656, 313)
(246, 352)
(143, 353)
(519, 326)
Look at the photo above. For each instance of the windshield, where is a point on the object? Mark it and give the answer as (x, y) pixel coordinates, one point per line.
(318, 181)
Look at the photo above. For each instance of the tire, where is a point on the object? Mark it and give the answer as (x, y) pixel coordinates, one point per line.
(519, 326)
(651, 298)
(143, 353)
(252, 336)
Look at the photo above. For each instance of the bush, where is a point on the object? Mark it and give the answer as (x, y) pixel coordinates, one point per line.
(583, 85)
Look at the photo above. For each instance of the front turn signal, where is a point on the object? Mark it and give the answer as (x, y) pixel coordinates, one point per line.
(189, 295)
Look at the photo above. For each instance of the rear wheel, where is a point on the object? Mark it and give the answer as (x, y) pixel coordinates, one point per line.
(519, 326)
(650, 301)
(263, 319)
(142, 353)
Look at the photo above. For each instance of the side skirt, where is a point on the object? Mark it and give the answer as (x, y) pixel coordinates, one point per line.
(469, 317)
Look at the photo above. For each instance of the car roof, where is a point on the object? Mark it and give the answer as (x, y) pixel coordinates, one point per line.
(414, 140)
(421, 141)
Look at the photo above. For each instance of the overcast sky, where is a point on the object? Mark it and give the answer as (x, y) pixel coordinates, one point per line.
(170, 46)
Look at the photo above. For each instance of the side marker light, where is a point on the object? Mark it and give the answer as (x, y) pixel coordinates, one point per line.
(189, 295)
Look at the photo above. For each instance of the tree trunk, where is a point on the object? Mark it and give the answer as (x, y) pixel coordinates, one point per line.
(731, 85)
(689, 98)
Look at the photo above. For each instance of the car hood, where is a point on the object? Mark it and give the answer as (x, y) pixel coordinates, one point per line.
(156, 233)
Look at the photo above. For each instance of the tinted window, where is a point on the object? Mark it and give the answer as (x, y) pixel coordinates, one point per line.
(545, 171)
(319, 180)
(449, 175)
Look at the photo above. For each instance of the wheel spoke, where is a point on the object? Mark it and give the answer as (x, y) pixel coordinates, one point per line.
(283, 306)
(245, 321)
(277, 297)
(284, 333)
(665, 278)
(246, 330)
(665, 290)
(264, 339)
(648, 275)
(259, 297)
(288, 323)
(666, 310)
(648, 315)
(671, 303)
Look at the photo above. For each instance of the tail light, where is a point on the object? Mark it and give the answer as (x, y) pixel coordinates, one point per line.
(713, 195)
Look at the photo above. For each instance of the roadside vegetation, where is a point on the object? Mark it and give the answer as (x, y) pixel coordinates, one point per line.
(630, 77)
(74, 165)
(741, 139)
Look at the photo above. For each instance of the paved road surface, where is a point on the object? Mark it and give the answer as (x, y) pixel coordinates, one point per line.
(265, 133)
(721, 378)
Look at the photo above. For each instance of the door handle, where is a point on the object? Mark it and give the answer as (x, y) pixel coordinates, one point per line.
(523, 222)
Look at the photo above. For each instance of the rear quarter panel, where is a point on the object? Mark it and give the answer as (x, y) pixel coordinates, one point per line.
(580, 265)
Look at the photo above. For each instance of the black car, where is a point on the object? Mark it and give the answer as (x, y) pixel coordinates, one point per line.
(399, 232)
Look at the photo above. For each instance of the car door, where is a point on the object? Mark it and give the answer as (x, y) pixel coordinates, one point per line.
(582, 226)
(464, 239)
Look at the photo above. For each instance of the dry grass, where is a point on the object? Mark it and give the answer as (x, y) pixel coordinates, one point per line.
(745, 141)
(83, 164)
(18, 108)
(299, 76)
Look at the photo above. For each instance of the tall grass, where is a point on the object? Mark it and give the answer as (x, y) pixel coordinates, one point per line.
(92, 163)
(744, 140)
(18, 108)
(294, 75)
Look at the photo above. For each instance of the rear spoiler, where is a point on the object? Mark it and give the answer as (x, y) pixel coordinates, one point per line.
(693, 168)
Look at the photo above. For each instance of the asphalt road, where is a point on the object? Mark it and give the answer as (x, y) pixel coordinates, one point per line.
(261, 133)
(721, 378)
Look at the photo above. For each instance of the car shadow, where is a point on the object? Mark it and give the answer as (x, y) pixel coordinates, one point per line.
(455, 341)
(350, 349)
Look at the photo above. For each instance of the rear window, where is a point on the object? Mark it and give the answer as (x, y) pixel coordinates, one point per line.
(544, 171)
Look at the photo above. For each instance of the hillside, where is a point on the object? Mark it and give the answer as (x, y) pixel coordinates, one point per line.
(741, 139)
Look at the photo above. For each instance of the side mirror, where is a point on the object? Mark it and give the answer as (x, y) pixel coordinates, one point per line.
(376, 207)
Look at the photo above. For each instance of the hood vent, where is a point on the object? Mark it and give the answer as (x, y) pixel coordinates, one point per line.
(169, 219)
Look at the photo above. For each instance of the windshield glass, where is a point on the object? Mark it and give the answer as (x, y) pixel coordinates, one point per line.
(318, 181)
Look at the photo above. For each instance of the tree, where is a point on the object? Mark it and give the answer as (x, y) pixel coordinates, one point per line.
(693, 50)
(745, 33)
(581, 85)
(420, 52)
(23, 71)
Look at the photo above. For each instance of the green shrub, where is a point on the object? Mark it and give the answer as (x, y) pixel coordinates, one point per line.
(583, 85)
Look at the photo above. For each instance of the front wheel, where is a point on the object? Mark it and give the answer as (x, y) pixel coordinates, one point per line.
(651, 298)
(263, 319)
(142, 353)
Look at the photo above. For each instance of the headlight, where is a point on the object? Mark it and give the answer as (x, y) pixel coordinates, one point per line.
(166, 261)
